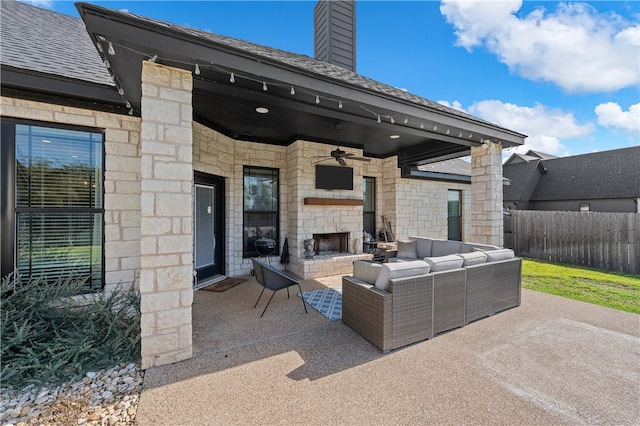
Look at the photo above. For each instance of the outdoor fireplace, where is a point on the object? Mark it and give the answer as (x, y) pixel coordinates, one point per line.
(331, 243)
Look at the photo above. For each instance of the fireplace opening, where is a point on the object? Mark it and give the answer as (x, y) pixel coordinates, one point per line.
(331, 243)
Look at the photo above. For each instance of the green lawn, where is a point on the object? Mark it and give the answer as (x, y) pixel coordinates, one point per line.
(610, 289)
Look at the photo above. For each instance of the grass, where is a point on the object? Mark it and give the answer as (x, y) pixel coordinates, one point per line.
(605, 288)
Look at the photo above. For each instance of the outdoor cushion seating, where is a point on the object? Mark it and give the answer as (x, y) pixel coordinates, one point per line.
(273, 279)
(398, 270)
(394, 308)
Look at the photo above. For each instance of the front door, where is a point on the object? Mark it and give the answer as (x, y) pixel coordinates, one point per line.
(208, 240)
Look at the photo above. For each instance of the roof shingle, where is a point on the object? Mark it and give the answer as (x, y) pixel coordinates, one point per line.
(48, 42)
(599, 175)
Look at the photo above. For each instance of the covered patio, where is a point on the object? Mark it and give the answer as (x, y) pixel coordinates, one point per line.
(217, 112)
(551, 361)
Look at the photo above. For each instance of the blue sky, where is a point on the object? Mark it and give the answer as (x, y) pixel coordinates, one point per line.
(565, 73)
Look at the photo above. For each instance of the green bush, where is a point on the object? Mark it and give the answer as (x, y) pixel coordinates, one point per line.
(49, 336)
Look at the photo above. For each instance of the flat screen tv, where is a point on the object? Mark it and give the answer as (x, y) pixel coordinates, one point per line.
(330, 177)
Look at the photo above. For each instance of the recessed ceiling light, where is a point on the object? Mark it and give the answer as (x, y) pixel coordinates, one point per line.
(262, 110)
(394, 137)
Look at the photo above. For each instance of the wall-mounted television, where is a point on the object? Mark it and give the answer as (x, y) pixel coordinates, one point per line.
(330, 177)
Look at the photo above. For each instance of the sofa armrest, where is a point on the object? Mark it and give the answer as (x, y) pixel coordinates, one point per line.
(367, 310)
(449, 288)
(507, 278)
(412, 309)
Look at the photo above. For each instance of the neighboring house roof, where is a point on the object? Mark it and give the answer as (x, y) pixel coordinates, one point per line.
(599, 175)
(541, 155)
(455, 166)
(522, 176)
(529, 156)
(48, 42)
(453, 170)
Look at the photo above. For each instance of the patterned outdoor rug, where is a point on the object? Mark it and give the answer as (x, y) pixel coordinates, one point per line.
(327, 301)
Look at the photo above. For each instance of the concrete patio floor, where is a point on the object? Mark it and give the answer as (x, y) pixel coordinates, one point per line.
(550, 361)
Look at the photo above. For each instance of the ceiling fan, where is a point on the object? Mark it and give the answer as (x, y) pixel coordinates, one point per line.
(341, 155)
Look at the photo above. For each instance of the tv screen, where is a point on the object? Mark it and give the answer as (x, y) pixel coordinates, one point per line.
(329, 177)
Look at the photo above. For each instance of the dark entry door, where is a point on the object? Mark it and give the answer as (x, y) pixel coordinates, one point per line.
(208, 238)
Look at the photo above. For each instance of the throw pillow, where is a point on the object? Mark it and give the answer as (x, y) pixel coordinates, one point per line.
(407, 249)
(400, 270)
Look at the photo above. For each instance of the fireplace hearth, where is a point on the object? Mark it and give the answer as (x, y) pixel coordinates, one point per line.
(331, 243)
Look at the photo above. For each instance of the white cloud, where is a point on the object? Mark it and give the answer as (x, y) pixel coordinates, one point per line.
(455, 105)
(48, 4)
(575, 47)
(610, 114)
(546, 127)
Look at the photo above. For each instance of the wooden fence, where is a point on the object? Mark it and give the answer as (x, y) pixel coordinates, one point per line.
(599, 240)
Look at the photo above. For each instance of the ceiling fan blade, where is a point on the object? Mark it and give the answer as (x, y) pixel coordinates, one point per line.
(341, 162)
(366, 160)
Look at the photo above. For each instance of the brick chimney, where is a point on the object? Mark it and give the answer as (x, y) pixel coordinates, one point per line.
(335, 32)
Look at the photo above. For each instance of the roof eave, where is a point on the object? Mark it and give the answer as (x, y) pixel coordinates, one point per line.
(185, 48)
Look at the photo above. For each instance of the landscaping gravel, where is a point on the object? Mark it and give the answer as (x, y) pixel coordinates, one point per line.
(107, 397)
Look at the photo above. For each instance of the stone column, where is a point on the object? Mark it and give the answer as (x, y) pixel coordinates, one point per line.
(166, 235)
(486, 194)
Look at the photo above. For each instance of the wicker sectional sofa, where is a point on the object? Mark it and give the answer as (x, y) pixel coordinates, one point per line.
(410, 299)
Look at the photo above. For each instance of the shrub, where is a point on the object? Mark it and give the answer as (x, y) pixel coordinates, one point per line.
(49, 336)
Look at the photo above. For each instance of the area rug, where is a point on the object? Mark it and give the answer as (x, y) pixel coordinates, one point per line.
(224, 285)
(327, 301)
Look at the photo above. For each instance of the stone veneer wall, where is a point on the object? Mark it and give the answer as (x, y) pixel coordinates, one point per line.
(305, 220)
(219, 155)
(486, 194)
(414, 206)
(121, 179)
(166, 227)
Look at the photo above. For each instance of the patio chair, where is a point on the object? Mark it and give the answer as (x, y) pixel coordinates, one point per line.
(270, 278)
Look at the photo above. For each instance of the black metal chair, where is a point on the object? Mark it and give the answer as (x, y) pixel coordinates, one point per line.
(270, 278)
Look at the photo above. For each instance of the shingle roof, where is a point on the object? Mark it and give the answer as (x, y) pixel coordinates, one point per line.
(538, 154)
(600, 175)
(454, 166)
(520, 175)
(48, 42)
(306, 64)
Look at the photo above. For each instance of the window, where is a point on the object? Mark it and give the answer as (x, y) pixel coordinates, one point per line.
(369, 207)
(53, 210)
(454, 215)
(261, 208)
